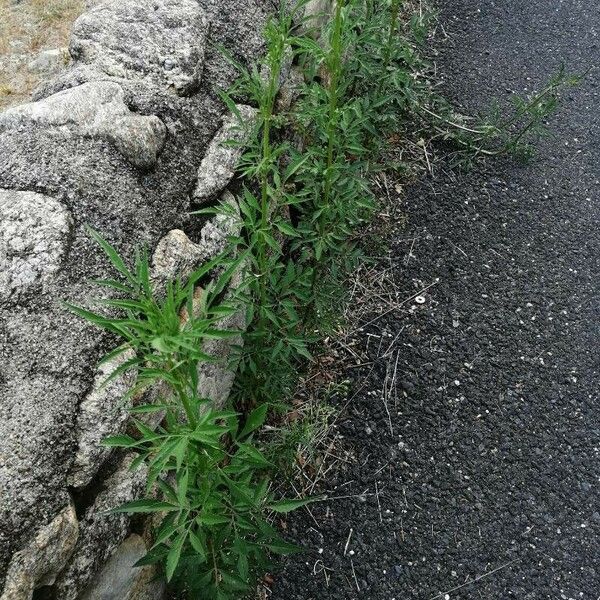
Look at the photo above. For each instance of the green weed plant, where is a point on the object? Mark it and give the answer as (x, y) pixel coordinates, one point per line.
(304, 195)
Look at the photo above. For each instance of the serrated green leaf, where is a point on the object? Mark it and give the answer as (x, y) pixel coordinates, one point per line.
(287, 229)
(112, 254)
(254, 454)
(198, 546)
(182, 486)
(154, 556)
(283, 548)
(120, 441)
(147, 408)
(234, 582)
(179, 451)
(208, 519)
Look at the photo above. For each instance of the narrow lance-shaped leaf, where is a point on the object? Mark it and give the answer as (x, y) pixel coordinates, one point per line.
(255, 420)
(175, 554)
(143, 506)
(112, 254)
(286, 506)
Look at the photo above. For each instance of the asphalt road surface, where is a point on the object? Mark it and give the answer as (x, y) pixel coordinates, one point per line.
(484, 481)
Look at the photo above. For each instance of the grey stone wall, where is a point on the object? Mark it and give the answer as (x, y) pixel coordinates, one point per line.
(126, 139)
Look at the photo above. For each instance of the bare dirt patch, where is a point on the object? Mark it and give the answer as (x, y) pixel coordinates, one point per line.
(27, 28)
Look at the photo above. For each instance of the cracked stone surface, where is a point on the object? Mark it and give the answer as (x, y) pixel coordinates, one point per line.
(215, 380)
(100, 534)
(103, 412)
(49, 61)
(316, 14)
(42, 560)
(120, 580)
(175, 256)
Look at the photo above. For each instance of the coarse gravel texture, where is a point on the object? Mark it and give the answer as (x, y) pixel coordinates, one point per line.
(488, 486)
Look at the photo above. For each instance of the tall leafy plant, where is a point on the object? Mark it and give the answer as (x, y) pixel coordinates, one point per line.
(277, 284)
(207, 480)
(208, 485)
(334, 125)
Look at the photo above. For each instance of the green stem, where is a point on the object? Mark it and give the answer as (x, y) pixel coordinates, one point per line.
(335, 71)
(514, 143)
(334, 68)
(267, 116)
(179, 388)
(215, 568)
(387, 55)
(535, 101)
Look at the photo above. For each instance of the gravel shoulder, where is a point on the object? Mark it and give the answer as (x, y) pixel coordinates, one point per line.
(475, 416)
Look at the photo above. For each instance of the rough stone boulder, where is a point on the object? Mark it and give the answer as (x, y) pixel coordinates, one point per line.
(38, 562)
(112, 38)
(34, 239)
(115, 141)
(95, 110)
(119, 580)
(223, 153)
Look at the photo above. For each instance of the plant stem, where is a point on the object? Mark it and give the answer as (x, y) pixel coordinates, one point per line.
(533, 102)
(334, 67)
(267, 116)
(215, 568)
(387, 54)
(335, 70)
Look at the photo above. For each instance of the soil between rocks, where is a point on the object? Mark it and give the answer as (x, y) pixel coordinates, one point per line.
(483, 481)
